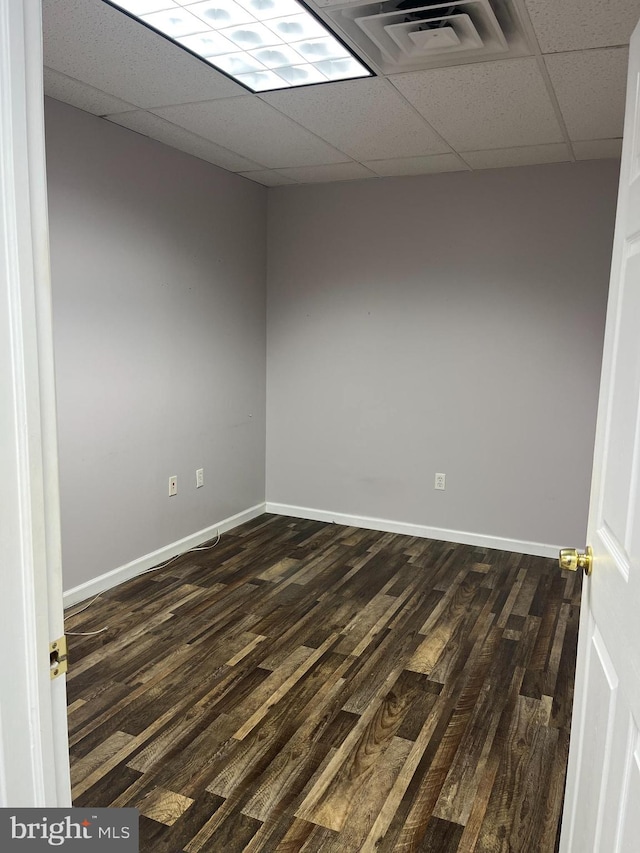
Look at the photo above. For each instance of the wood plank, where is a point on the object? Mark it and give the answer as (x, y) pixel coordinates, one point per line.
(164, 806)
(441, 835)
(310, 687)
(94, 759)
(277, 694)
(367, 791)
(520, 732)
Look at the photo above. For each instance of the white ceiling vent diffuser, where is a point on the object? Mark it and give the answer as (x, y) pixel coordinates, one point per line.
(407, 35)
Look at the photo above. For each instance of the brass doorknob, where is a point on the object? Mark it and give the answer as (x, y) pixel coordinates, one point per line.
(573, 560)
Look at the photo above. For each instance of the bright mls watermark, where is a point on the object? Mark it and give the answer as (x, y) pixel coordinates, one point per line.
(80, 830)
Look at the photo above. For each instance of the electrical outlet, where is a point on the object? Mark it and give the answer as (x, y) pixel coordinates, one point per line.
(199, 478)
(173, 486)
(440, 482)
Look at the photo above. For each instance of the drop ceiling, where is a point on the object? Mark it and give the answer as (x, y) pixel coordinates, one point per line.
(447, 97)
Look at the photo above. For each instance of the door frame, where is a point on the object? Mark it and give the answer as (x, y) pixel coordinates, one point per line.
(34, 756)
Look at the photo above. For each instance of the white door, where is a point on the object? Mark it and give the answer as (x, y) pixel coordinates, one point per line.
(34, 760)
(602, 803)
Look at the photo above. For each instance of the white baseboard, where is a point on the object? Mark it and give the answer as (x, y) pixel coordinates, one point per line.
(142, 564)
(462, 537)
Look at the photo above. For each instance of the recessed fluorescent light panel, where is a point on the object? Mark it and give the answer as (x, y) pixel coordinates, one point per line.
(263, 44)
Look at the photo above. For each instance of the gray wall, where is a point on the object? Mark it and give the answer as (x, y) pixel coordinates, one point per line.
(158, 268)
(441, 323)
(448, 323)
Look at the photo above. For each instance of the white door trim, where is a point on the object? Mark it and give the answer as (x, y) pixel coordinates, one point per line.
(33, 736)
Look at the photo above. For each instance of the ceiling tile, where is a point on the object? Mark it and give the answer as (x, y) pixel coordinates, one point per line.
(598, 149)
(499, 112)
(346, 114)
(579, 24)
(590, 86)
(268, 178)
(527, 155)
(416, 165)
(78, 94)
(93, 42)
(157, 128)
(254, 130)
(486, 105)
(324, 174)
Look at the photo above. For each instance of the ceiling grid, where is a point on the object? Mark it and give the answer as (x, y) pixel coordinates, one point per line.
(447, 95)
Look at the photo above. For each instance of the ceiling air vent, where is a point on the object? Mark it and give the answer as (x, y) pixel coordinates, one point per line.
(408, 35)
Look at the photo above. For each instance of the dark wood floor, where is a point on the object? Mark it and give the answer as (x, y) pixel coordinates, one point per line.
(306, 686)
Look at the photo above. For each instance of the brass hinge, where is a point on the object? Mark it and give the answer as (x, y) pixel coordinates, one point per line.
(58, 657)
